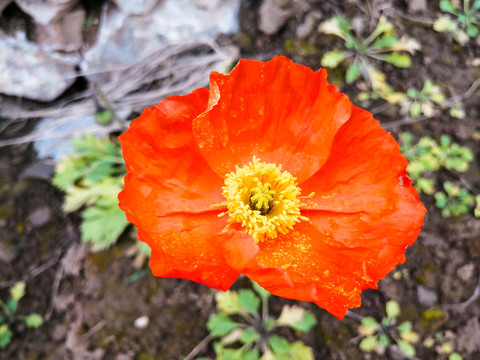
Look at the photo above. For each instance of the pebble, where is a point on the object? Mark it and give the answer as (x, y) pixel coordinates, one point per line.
(141, 322)
(426, 297)
(465, 272)
(28, 71)
(40, 216)
(273, 15)
(417, 5)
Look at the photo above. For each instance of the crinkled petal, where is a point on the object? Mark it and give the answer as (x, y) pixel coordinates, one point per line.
(169, 192)
(279, 111)
(302, 266)
(190, 246)
(166, 172)
(363, 196)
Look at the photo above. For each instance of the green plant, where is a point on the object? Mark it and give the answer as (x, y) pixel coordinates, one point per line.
(477, 206)
(246, 330)
(422, 101)
(466, 23)
(382, 44)
(442, 345)
(454, 201)
(378, 336)
(379, 89)
(93, 177)
(428, 155)
(8, 314)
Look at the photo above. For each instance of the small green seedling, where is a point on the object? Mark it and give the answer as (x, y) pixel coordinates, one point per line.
(466, 21)
(428, 156)
(442, 346)
(382, 44)
(92, 178)
(8, 315)
(476, 212)
(379, 89)
(423, 101)
(246, 330)
(454, 201)
(378, 336)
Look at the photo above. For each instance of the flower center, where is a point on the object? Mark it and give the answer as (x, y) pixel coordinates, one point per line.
(263, 199)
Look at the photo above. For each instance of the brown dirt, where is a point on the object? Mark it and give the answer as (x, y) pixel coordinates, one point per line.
(91, 301)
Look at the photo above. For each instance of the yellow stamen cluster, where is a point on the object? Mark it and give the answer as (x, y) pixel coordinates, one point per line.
(263, 199)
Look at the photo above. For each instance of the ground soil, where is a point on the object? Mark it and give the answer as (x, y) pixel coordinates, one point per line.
(90, 301)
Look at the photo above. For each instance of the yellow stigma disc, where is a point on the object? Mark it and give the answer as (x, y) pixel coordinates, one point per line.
(263, 199)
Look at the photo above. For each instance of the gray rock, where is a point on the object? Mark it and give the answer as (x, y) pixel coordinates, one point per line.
(8, 251)
(124, 39)
(28, 71)
(64, 33)
(43, 12)
(40, 216)
(426, 297)
(466, 272)
(273, 15)
(308, 25)
(417, 5)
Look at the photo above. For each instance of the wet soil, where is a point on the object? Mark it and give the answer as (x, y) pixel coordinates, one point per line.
(91, 301)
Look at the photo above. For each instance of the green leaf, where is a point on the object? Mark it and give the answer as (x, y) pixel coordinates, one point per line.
(415, 109)
(220, 325)
(34, 320)
(444, 24)
(228, 302)
(368, 344)
(248, 300)
(472, 31)
(298, 351)
(392, 309)
(306, 322)
(249, 336)
(17, 291)
(227, 354)
(5, 336)
(279, 345)
(353, 73)
(384, 340)
(68, 172)
(269, 324)
(332, 58)
(80, 196)
(447, 6)
(405, 326)
(344, 26)
(297, 318)
(12, 306)
(251, 355)
(103, 223)
(455, 356)
(370, 322)
(264, 294)
(399, 60)
(406, 348)
(104, 117)
(385, 41)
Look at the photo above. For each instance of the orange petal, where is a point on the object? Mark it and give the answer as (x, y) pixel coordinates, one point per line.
(166, 172)
(329, 274)
(189, 246)
(363, 196)
(279, 111)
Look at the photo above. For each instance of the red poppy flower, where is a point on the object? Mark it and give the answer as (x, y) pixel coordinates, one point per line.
(274, 174)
